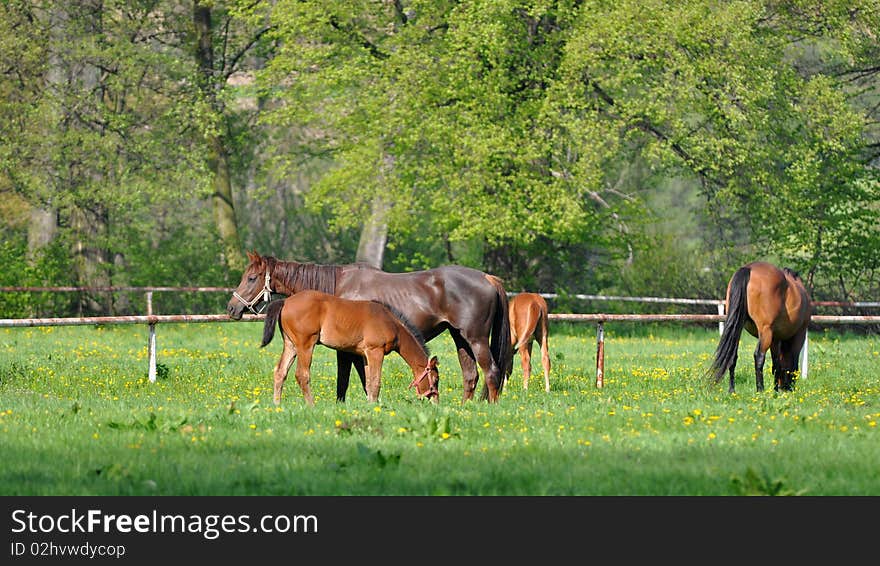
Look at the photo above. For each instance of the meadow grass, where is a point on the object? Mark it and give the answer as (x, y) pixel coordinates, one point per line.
(79, 417)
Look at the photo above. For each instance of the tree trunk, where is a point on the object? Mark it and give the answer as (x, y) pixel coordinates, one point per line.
(90, 220)
(224, 209)
(41, 231)
(43, 225)
(91, 260)
(374, 234)
(119, 278)
(218, 159)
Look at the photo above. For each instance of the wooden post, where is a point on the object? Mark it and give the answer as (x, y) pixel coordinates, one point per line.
(721, 322)
(805, 356)
(151, 372)
(600, 355)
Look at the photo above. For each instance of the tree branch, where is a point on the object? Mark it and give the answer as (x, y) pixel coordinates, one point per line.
(401, 14)
(646, 126)
(365, 43)
(234, 61)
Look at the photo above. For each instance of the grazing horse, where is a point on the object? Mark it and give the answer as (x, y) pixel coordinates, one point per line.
(470, 304)
(773, 305)
(365, 328)
(528, 323)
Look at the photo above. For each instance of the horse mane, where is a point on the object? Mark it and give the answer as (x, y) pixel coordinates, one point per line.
(302, 276)
(791, 272)
(409, 326)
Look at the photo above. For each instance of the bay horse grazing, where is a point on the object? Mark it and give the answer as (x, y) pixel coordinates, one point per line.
(773, 305)
(470, 304)
(365, 328)
(529, 323)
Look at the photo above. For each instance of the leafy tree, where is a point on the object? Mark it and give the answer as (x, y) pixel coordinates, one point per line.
(708, 90)
(97, 135)
(225, 39)
(565, 145)
(431, 112)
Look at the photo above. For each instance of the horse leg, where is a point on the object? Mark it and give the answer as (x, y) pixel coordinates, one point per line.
(525, 354)
(343, 374)
(765, 336)
(513, 341)
(545, 360)
(468, 365)
(790, 352)
(779, 365)
(795, 346)
(303, 369)
(344, 361)
(375, 357)
(491, 371)
(358, 362)
(288, 354)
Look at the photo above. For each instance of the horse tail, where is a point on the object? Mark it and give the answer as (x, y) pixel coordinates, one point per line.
(518, 342)
(737, 314)
(273, 316)
(499, 341)
(535, 314)
(545, 324)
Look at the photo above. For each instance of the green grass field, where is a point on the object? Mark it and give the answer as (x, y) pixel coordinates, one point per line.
(79, 417)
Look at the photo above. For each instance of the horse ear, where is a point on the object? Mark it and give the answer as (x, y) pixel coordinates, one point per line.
(253, 256)
(433, 361)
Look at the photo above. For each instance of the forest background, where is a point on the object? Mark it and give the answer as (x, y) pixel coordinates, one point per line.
(621, 147)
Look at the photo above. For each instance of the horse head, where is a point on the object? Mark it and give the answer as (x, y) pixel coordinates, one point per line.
(255, 286)
(427, 384)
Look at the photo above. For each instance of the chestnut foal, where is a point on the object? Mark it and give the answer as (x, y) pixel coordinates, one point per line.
(528, 323)
(367, 328)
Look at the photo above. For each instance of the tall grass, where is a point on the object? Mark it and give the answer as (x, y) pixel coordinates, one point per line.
(79, 417)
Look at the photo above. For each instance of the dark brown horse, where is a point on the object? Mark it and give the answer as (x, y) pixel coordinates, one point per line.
(528, 323)
(365, 328)
(470, 304)
(773, 305)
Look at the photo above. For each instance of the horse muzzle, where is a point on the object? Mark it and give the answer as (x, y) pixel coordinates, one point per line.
(235, 311)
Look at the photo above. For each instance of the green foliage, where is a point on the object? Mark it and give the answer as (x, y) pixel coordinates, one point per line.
(540, 111)
(377, 457)
(457, 155)
(756, 484)
(106, 125)
(548, 142)
(49, 268)
(664, 269)
(432, 427)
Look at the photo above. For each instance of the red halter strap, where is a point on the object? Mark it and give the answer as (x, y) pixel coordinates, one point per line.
(432, 389)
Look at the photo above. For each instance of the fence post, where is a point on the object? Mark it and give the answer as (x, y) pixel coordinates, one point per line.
(805, 356)
(600, 355)
(721, 322)
(151, 373)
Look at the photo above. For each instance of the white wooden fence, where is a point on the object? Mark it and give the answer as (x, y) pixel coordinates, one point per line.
(151, 320)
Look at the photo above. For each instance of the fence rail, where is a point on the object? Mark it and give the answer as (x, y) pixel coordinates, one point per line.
(15, 289)
(138, 319)
(611, 298)
(600, 319)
